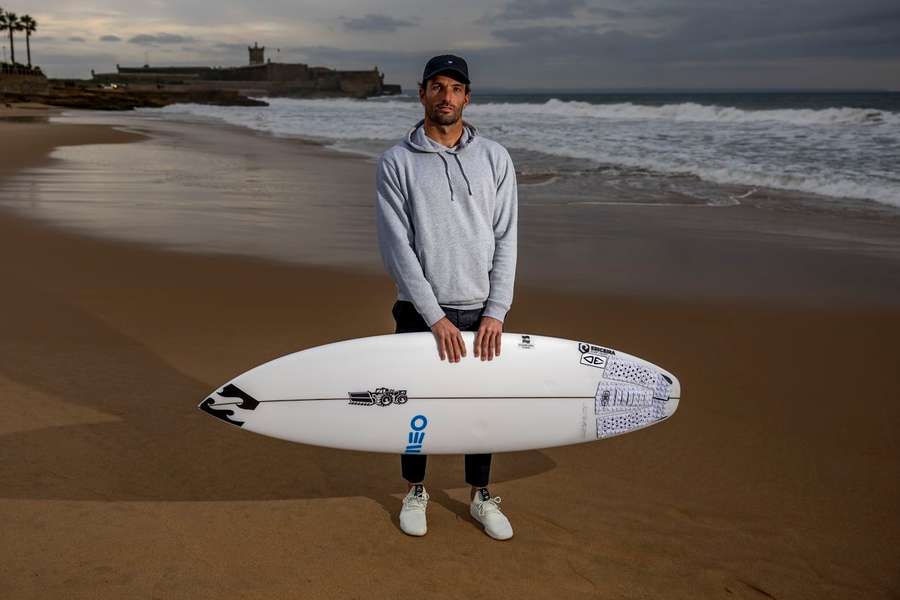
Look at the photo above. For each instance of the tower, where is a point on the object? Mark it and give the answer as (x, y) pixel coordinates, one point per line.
(257, 54)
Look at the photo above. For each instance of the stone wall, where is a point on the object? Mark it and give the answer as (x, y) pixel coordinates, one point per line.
(361, 83)
(23, 84)
(269, 79)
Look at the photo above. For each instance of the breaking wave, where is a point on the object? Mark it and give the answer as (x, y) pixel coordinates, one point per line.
(840, 152)
(693, 112)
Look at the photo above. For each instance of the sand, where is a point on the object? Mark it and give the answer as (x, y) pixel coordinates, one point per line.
(776, 478)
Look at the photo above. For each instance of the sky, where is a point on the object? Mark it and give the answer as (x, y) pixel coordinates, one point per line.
(509, 44)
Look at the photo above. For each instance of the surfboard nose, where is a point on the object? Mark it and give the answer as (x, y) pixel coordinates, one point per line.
(674, 395)
(231, 404)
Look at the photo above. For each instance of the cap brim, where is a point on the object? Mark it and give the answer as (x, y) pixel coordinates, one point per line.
(449, 72)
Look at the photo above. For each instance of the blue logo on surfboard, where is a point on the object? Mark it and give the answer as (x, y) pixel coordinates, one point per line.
(416, 437)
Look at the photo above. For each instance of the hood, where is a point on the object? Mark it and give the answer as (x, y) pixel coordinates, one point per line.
(417, 141)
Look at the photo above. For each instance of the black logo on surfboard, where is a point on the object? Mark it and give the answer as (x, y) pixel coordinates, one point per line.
(381, 397)
(223, 413)
(593, 355)
(584, 348)
(247, 402)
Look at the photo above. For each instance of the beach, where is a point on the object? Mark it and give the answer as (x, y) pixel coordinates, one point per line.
(776, 478)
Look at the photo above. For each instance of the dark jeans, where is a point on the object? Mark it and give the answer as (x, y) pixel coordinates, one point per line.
(478, 466)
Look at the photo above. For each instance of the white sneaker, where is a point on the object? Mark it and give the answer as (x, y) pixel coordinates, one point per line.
(486, 510)
(412, 515)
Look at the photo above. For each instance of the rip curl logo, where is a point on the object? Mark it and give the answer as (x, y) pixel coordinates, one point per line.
(416, 437)
(381, 397)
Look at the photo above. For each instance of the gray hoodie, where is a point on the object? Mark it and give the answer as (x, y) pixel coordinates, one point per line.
(447, 223)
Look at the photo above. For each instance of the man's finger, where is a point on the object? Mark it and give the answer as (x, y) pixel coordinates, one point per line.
(497, 337)
(476, 345)
(462, 344)
(458, 349)
(490, 345)
(451, 348)
(451, 351)
(440, 345)
(486, 345)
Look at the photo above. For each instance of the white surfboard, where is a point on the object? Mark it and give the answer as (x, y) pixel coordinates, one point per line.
(392, 393)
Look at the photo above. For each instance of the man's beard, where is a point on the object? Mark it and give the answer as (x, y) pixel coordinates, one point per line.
(445, 118)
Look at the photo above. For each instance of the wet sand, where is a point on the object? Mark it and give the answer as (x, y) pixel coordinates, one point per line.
(777, 477)
(213, 188)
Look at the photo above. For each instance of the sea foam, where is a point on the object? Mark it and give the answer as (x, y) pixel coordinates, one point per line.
(842, 152)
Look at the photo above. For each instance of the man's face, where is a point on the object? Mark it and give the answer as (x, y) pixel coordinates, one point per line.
(444, 99)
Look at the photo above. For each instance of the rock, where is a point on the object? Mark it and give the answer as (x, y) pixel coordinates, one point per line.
(94, 98)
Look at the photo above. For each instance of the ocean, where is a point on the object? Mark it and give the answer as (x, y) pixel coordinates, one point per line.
(691, 196)
(827, 150)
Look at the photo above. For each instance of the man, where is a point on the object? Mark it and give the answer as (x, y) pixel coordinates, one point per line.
(447, 213)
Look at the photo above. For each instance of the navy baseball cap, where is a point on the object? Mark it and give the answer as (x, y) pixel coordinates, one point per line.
(448, 64)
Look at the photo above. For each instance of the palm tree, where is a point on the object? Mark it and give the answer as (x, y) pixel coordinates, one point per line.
(11, 22)
(29, 25)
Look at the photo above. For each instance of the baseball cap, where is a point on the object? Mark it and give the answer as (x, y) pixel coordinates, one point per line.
(453, 66)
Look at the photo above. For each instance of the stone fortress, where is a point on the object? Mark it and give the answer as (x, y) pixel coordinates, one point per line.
(260, 77)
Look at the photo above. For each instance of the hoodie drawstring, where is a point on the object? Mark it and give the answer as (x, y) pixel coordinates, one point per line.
(461, 170)
(447, 173)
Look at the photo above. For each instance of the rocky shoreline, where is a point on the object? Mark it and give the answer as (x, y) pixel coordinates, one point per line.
(87, 95)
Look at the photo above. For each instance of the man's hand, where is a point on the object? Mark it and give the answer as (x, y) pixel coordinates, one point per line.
(487, 341)
(449, 340)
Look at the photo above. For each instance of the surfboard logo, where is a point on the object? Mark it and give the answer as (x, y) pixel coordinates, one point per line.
(593, 360)
(247, 402)
(593, 355)
(381, 397)
(584, 348)
(416, 437)
(225, 414)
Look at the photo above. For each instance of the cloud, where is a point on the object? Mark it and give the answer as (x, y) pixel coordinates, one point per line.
(609, 13)
(86, 61)
(145, 39)
(230, 46)
(714, 33)
(376, 23)
(581, 42)
(706, 45)
(520, 43)
(522, 10)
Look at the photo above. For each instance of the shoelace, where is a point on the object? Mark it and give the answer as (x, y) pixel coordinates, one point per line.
(417, 502)
(494, 505)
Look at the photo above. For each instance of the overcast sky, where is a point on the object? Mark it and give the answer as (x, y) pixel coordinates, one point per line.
(562, 44)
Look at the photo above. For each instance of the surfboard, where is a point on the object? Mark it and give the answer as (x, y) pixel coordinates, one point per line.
(392, 393)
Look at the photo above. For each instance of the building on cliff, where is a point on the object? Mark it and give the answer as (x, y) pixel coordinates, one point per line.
(260, 77)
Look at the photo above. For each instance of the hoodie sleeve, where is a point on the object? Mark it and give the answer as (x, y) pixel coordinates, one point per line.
(503, 271)
(396, 241)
